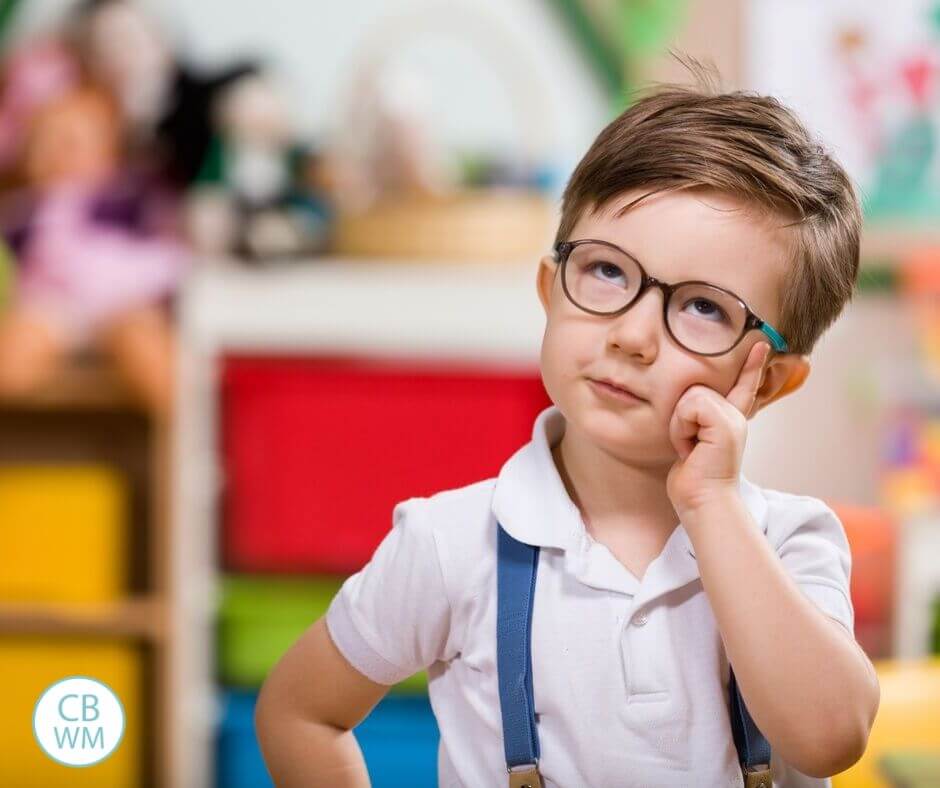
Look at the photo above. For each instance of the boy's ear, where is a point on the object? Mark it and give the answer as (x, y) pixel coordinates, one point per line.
(783, 375)
(545, 280)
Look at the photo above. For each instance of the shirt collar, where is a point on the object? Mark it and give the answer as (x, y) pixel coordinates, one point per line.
(531, 502)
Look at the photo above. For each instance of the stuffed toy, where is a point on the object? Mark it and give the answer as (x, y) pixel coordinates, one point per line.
(259, 194)
(96, 256)
(166, 102)
(31, 74)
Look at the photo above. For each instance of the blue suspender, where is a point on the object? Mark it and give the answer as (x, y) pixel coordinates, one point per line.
(517, 565)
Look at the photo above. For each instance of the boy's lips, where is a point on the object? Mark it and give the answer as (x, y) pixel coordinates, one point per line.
(620, 386)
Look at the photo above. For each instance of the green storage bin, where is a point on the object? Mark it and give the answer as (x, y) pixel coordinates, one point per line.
(261, 616)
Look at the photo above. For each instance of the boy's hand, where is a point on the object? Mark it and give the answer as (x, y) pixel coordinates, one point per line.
(709, 432)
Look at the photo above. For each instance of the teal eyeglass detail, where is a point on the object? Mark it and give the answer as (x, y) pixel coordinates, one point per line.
(778, 342)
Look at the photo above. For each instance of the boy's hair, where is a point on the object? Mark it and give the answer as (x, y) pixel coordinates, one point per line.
(752, 147)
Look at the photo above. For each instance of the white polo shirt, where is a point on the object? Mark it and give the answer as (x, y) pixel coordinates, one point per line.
(630, 677)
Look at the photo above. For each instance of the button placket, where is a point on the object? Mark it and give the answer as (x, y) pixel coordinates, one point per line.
(639, 653)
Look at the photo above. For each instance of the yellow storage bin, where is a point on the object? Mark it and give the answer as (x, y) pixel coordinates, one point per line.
(905, 739)
(64, 533)
(30, 664)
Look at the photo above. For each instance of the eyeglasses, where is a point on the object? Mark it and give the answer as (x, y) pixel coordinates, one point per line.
(705, 319)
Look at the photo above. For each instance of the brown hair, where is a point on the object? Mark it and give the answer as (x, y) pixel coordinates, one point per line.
(751, 146)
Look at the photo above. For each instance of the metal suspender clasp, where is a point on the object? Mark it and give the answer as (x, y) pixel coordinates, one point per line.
(759, 776)
(526, 776)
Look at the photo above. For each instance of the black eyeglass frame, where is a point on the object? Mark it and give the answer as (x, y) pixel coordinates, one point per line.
(752, 321)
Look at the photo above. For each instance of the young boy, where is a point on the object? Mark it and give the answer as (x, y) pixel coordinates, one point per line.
(660, 567)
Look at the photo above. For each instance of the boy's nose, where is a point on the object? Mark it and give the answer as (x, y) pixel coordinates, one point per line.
(639, 329)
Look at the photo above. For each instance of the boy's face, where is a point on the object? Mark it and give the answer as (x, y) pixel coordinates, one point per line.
(688, 235)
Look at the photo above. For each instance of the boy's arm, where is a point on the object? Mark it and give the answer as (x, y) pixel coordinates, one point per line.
(307, 706)
(808, 685)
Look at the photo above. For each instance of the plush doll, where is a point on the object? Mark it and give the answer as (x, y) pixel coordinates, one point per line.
(96, 260)
(31, 74)
(166, 102)
(258, 193)
(387, 150)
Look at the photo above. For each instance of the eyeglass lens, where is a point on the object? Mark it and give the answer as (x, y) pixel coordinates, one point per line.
(702, 318)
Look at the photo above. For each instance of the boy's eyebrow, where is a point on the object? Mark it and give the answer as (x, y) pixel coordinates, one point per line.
(673, 280)
(748, 301)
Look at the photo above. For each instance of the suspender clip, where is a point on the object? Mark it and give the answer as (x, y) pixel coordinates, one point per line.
(526, 776)
(759, 776)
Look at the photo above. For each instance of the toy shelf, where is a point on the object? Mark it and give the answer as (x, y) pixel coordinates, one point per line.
(142, 617)
(85, 383)
(87, 416)
(424, 313)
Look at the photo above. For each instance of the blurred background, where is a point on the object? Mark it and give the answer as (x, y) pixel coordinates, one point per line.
(256, 255)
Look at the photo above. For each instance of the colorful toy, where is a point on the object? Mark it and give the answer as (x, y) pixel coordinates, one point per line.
(256, 195)
(166, 102)
(95, 250)
(32, 74)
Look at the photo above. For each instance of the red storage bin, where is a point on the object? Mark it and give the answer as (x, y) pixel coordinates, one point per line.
(317, 451)
(872, 536)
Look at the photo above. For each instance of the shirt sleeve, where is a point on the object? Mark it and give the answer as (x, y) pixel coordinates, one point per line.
(815, 552)
(392, 618)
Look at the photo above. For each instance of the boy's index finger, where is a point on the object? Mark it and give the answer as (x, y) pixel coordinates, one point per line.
(744, 392)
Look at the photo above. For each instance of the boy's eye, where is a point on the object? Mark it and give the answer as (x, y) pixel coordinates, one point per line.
(708, 310)
(607, 272)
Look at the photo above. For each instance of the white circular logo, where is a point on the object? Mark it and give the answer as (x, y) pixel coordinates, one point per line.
(78, 721)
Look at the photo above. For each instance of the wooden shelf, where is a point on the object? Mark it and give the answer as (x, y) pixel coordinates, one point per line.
(81, 383)
(143, 617)
(87, 414)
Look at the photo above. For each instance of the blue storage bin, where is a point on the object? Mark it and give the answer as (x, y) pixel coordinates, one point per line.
(399, 740)
(238, 761)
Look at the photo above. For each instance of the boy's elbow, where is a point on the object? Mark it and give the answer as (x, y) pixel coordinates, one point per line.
(265, 710)
(832, 757)
(841, 746)
(271, 711)
(842, 755)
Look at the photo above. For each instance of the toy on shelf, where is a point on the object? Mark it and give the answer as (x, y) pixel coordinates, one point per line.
(258, 194)
(95, 250)
(389, 142)
(32, 74)
(166, 102)
(403, 194)
(121, 47)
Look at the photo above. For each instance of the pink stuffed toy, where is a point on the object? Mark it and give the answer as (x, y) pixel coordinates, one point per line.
(96, 256)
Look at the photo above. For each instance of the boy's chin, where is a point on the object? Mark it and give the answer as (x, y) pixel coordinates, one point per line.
(623, 436)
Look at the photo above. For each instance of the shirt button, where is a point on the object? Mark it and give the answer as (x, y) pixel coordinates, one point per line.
(640, 620)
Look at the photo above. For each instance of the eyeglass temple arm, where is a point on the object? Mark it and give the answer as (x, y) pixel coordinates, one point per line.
(778, 342)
